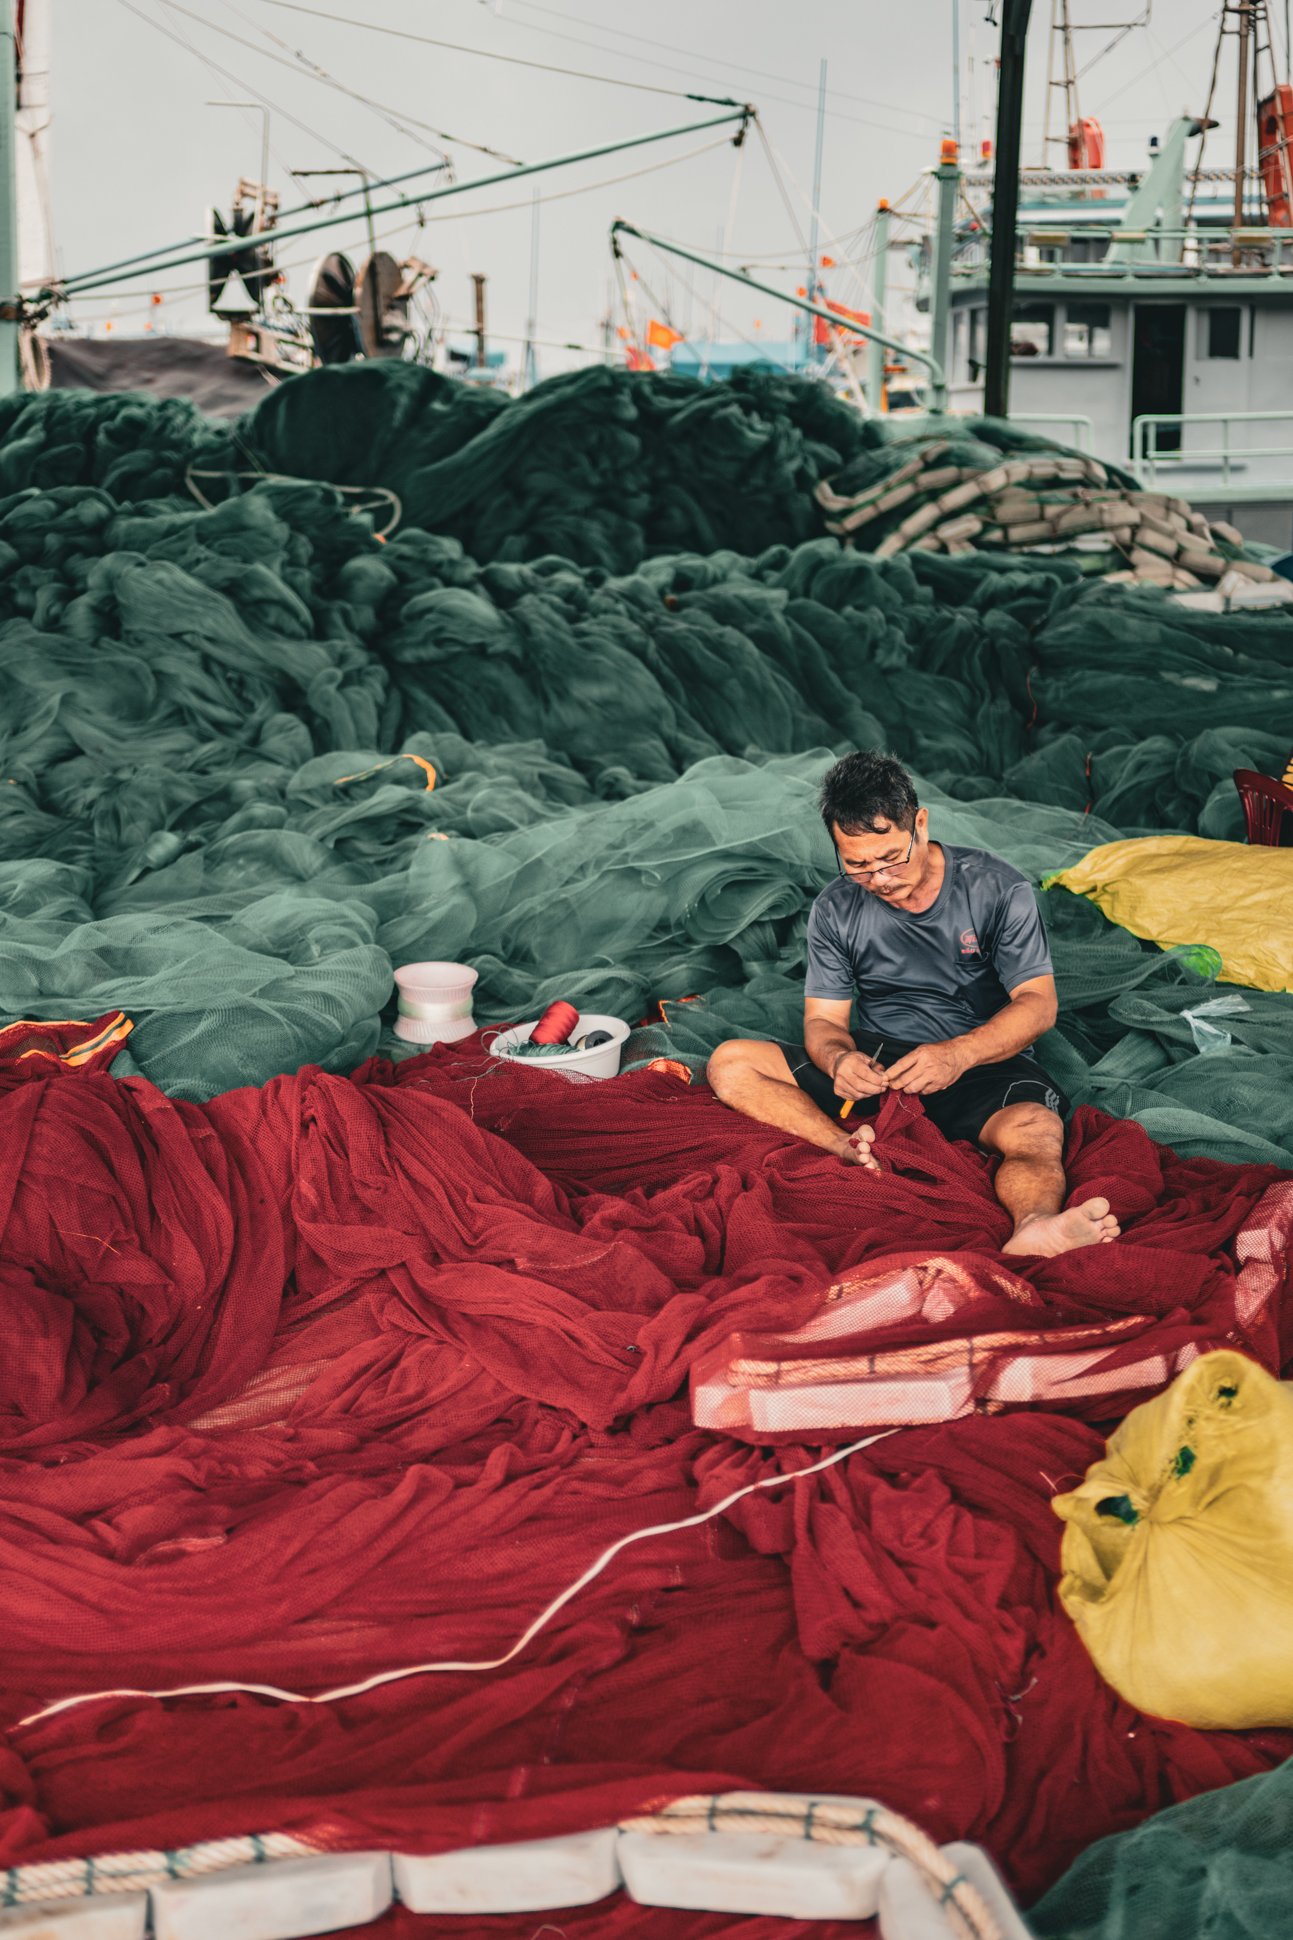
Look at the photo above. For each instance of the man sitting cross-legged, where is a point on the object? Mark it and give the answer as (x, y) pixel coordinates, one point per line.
(945, 950)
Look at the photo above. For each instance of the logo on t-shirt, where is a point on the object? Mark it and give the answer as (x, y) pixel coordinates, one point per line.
(969, 944)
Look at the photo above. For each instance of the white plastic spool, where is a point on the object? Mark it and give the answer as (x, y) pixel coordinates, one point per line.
(435, 1002)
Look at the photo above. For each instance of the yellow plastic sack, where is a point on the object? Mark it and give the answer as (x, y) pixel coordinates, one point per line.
(1184, 889)
(1178, 1555)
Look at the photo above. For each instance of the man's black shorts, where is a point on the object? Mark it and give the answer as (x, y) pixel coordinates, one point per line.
(959, 1112)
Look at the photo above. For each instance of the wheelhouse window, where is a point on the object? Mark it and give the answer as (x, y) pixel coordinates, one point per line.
(1087, 330)
(1032, 330)
(1224, 331)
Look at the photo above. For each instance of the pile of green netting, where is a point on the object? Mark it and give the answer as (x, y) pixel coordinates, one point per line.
(1217, 1867)
(602, 467)
(205, 819)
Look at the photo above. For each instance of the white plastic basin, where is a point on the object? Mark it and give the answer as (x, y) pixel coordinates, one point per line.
(603, 1062)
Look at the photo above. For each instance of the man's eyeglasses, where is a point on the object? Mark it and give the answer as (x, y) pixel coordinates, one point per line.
(881, 869)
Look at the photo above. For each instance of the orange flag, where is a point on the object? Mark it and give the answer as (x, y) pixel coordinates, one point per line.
(824, 331)
(661, 336)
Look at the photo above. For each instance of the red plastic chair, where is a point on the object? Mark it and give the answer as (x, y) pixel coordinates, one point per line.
(1266, 802)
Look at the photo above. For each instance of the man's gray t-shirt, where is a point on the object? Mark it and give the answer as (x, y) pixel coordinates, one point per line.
(921, 978)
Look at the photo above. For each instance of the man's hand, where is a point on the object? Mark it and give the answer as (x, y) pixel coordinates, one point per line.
(930, 1067)
(858, 1076)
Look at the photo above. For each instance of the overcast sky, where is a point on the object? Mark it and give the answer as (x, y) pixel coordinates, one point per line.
(137, 154)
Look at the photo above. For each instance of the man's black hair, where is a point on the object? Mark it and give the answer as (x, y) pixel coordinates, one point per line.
(866, 788)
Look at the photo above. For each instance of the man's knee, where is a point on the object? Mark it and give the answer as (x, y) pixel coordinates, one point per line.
(743, 1057)
(1024, 1131)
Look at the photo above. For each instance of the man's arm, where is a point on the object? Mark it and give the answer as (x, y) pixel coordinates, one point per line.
(1031, 1012)
(829, 1044)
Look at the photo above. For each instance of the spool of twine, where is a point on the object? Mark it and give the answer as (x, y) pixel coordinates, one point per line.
(556, 1024)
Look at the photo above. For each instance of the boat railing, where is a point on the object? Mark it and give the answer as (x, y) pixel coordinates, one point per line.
(1186, 252)
(1156, 460)
(1083, 428)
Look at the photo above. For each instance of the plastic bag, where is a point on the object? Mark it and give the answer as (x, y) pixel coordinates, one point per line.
(1185, 889)
(1178, 1554)
(1209, 1037)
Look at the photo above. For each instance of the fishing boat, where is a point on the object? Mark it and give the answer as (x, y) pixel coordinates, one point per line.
(1153, 310)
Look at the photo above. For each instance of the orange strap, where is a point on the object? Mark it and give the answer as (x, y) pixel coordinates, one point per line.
(426, 765)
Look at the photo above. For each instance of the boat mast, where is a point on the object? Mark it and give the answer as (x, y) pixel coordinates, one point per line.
(814, 276)
(1244, 9)
(10, 299)
(1061, 27)
(36, 264)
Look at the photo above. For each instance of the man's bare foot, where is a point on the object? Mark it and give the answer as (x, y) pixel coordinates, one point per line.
(856, 1150)
(1090, 1224)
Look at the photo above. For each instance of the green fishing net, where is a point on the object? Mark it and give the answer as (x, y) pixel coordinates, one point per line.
(611, 623)
(1218, 1867)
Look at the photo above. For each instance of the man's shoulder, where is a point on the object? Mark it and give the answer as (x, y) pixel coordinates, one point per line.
(989, 874)
(836, 903)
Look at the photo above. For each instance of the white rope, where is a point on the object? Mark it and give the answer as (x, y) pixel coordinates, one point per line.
(491, 1664)
(134, 1872)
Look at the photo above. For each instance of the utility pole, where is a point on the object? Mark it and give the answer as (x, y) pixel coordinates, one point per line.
(479, 281)
(9, 296)
(1005, 207)
(813, 271)
(879, 296)
(949, 184)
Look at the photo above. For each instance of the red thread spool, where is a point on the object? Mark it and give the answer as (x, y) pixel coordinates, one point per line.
(556, 1024)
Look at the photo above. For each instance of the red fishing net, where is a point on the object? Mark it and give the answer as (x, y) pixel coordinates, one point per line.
(342, 1376)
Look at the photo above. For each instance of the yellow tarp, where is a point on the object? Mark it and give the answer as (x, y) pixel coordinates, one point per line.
(1183, 889)
(1178, 1550)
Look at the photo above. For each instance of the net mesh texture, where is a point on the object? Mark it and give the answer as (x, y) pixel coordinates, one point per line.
(626, 737)
(611, 628)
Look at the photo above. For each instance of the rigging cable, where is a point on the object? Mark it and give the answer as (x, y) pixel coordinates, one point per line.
(858, 121)
(739, 67)
(484, 53)
(92, 278)
(234, 80)
(392, 115)
(751, 343)
(453, 215)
